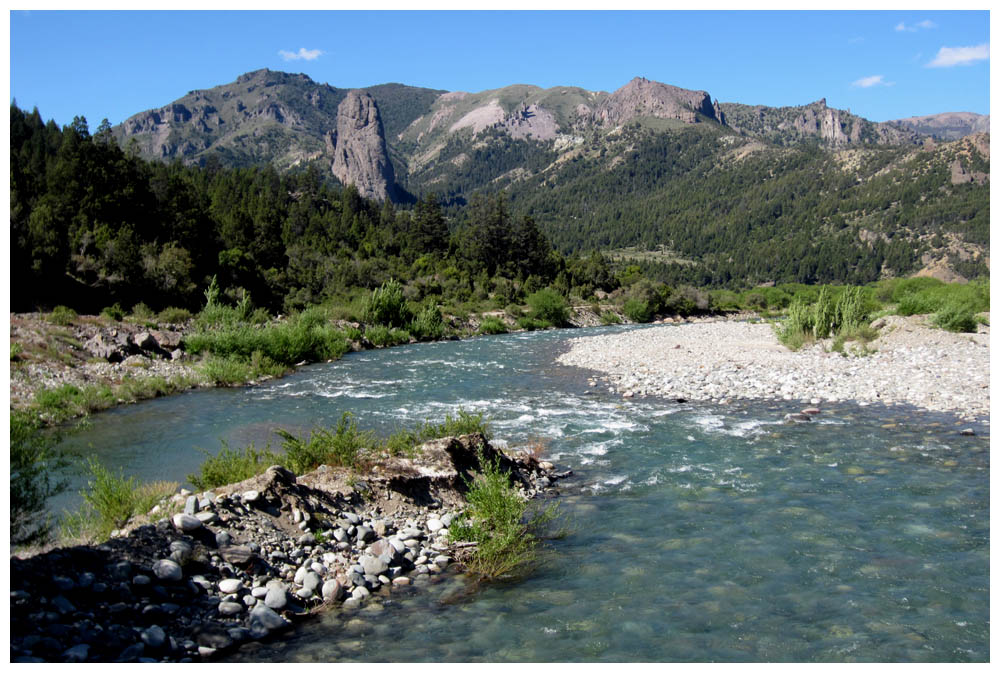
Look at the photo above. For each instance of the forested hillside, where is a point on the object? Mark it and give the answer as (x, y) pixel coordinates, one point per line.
(92, 225)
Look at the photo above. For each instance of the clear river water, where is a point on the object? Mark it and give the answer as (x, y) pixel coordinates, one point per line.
(696, 532)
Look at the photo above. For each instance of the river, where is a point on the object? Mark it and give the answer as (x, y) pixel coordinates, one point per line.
(696, 532)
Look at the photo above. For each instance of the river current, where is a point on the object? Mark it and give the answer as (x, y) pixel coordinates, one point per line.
(695, 532)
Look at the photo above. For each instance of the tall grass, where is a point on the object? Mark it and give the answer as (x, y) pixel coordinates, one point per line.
(342, 448)
(111, 501)
(231, 466)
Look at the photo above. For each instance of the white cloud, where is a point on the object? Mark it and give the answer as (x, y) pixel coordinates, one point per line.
(302, 54)
(920, 25)
(874, 80)
(952, 56)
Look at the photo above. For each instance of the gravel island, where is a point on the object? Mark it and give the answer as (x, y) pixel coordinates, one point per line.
(909, 363)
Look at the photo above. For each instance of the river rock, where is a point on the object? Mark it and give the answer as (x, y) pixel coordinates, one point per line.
(332, 590)
(276, 597)
(373, 565)
(76, 654)
(154, 637)
(236, 554)
(311, 581)
(186, 523)
(168, 570)
(191, 505)
(263, 617)
(230, 608)
(230, 586)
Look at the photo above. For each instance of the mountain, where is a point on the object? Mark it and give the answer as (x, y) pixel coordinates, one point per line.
(725, 191)
(947, 125)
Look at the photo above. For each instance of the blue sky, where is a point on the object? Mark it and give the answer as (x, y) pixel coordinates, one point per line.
(881, 65)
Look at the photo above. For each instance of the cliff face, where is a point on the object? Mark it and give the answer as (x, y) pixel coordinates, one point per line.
(836, 128)
(360, 157)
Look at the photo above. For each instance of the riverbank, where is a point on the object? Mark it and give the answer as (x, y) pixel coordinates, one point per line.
(909, 363)
(241, 563)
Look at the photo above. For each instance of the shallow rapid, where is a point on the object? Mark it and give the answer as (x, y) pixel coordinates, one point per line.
(694, 532)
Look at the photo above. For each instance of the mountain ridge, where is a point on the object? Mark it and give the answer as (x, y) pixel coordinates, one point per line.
(284, 118)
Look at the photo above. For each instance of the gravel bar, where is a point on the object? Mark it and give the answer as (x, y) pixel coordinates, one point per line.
(912, 363)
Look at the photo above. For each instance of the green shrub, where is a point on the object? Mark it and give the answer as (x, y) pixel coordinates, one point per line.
(492, 325)
(115, 312)
(173, 315)
(494, 520)
(15, 350)
(382, 336)
(548, 306)
(852, 309)
(915, 304)
(233, 370)
(532, 324)
(112, 498)
(428, 324)
(797, 328)
(387, 306)
(306, 336)
(34, 468)
(231, 466)
(610, 318)
(341, 448)
(61, 315)
(142, 312)
(956, 318)
(637, 310)
(824, 314)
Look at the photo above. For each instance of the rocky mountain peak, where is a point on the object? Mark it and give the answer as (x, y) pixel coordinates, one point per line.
(645, 98)
(360, 156)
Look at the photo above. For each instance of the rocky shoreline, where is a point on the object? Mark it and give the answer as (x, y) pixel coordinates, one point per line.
(240, 564)
(723, 360)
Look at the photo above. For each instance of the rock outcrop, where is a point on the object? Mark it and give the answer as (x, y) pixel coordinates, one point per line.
(360, 157)
(789, 125)
(644, 98)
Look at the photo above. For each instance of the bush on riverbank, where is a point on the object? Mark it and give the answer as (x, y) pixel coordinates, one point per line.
(501, 523)
(231, 466)
(304, 336)
(842, 316)
(111, 501)
(34, 468)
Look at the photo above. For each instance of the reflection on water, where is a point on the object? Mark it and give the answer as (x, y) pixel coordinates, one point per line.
(697, 532)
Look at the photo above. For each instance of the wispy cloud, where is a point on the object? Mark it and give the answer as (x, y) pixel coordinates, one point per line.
(302, 54)
(948, 57)
(874, 80)
(914, 27)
